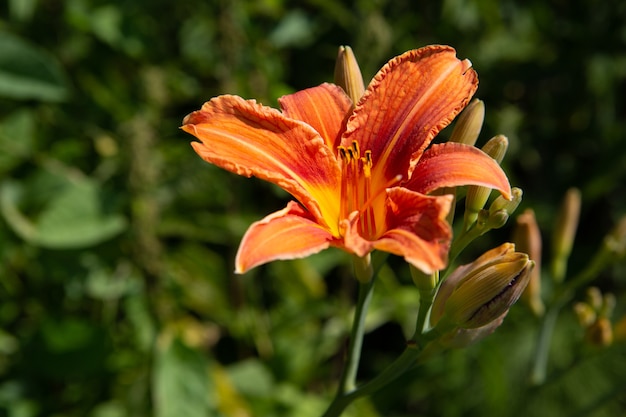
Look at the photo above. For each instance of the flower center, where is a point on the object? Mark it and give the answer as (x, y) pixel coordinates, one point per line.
(356, 188)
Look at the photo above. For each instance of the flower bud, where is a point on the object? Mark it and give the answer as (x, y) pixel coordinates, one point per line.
(478, 293)
(527, 238)
(600, 333)
(469, 123)
(460, 338)
(594, 298)
(477, 196)
(615, 241)
(594, 316)
(423, 281)
(508, 206)
(564, 232)
(348, 74)
(585, 314)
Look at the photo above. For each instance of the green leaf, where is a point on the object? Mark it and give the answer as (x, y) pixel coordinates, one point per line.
(73, 218)
(181, 382)
(17, 137)
(27, 72)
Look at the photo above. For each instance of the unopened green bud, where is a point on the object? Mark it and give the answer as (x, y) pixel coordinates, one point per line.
(564, 232)
(496, 147)
(487, 289)
(424, 281)
(585, 314)
(594, 298)
(527, 238)
(509, 206)
(469, 123)
(615, 241)
(594, 315)
(348, 74)
(477, 196)
(608, 305)
(501, 209)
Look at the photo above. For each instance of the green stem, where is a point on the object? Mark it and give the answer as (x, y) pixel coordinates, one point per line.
(565, 294)
(538, 372)
(426, 302)
(365, 274)
(464, 239)
(403, 363)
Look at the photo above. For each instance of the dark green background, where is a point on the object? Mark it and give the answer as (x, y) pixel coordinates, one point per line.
(117, 296)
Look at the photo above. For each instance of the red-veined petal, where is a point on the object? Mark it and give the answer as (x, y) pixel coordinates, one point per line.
(325, 108)
(287, 234)
(417, 229)
(254, 140)
(407, 103)
(454, 164)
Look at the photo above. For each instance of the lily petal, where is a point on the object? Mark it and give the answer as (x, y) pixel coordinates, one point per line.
(418, 229)
(249, 139)
(454, 164)
(325, 108)
(286, 234)
(407, 103)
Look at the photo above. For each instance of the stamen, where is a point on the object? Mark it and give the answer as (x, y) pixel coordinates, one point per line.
(343, 209)
(395, 180)
(355, 148)
(356, 187)
(368, 224)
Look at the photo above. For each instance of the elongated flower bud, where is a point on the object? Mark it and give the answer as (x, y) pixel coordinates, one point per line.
(348, 74)
(460, 273)
(527, 238)
(469, 123)
(564, 232)
(477, 196)
(486, 288)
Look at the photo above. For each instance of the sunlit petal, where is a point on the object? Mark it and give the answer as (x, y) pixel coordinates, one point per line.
(287, 234)
(418, 229)
(253, 140)
(325, 108)
(407, 103)
(454, 164)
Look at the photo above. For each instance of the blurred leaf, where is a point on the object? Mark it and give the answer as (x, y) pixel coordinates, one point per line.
(201, 278)
(67, 335)
(252, 378)
(231, 403)
(17, 138)
(22, 10)
(109, 409)
(67, 348)
(138, 313)
(295, 29)
(29, 73)
(181, 383)
(73, 218)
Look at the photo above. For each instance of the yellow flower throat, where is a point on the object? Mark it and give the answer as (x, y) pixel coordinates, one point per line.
(356, 186)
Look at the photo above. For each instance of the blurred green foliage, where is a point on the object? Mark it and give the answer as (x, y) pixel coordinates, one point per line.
(117, 296)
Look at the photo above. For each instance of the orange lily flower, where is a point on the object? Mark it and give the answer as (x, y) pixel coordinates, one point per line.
(361, 174)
